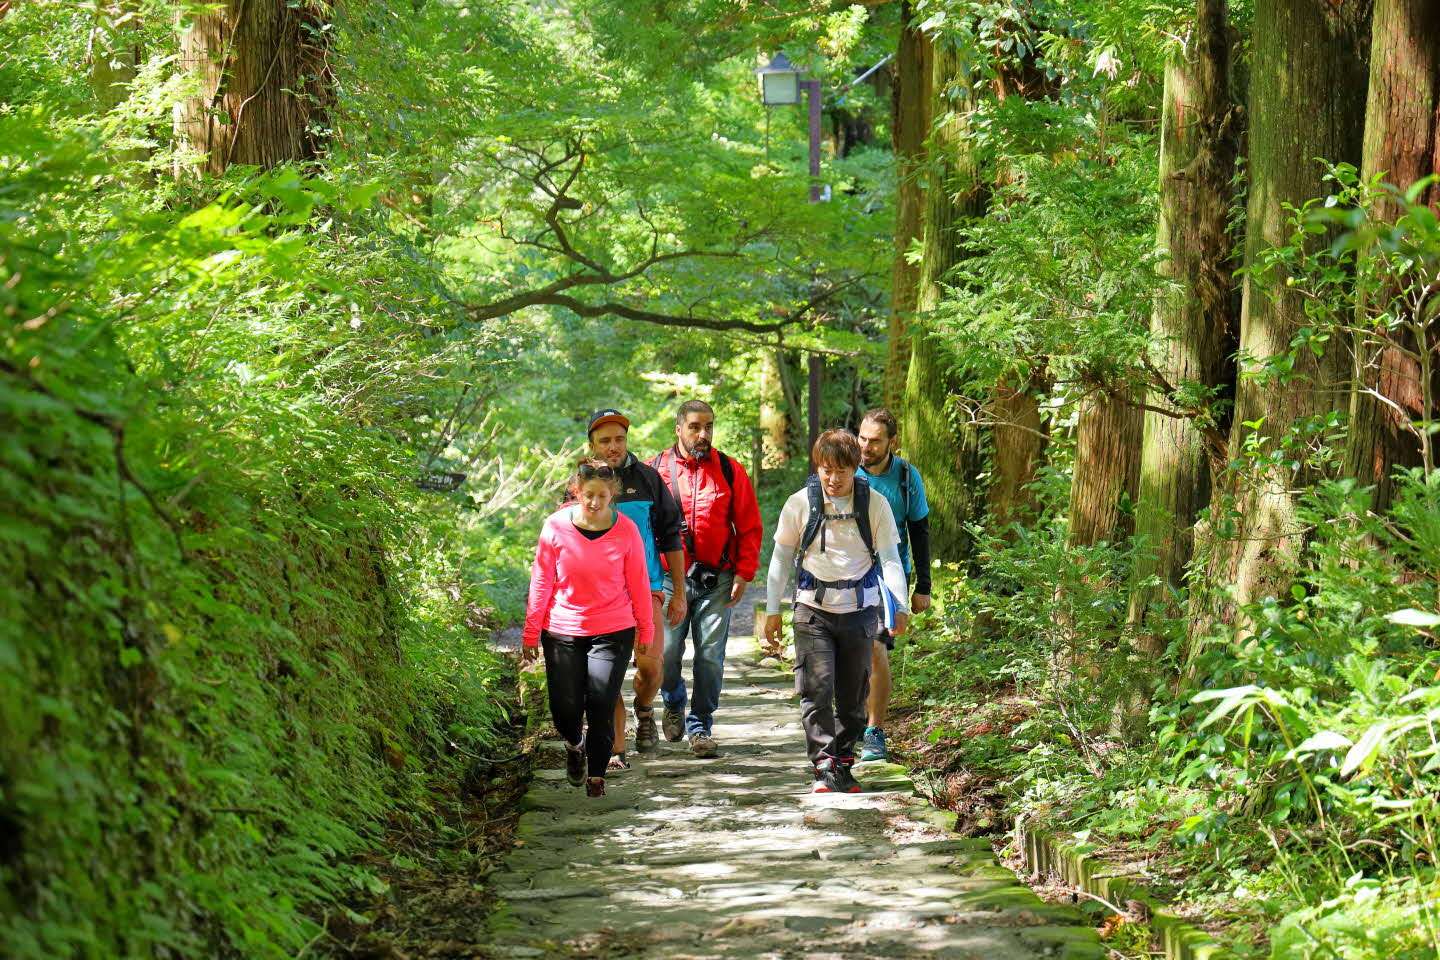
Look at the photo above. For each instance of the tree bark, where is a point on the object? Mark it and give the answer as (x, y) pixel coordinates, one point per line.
(115, 52)
(1402, 141)
(1307, 101)
(1107, 471)
(947, 453)
(264, 82)
(774, 409)
(1195, 324)
(1019, 448)
(910, 125)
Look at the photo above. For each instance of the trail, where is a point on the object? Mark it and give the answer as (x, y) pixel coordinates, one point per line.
(734, 858)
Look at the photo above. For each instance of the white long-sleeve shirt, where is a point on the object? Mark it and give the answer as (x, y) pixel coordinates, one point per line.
(844, 556)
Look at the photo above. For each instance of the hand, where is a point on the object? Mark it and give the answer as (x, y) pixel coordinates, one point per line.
(529, 655)
(678, 608)
(919, 603)
(902, 621)
(772, 629)
(737, 591)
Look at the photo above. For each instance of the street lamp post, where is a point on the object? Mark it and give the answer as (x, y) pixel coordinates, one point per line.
(780, 86)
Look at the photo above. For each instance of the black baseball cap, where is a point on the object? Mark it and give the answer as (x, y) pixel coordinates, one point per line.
(599, 418)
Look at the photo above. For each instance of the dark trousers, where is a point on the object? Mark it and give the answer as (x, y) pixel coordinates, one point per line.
(583, 675)
(832, 677)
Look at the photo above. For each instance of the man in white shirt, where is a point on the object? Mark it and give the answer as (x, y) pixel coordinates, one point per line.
(848, 558)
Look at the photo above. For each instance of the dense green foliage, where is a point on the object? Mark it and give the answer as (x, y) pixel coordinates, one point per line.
(239, 642)
(1275, 768)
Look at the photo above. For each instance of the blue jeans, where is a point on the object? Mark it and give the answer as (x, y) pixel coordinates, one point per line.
(707, 622)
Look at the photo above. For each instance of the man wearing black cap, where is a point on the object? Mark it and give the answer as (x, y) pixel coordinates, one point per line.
(646, 500)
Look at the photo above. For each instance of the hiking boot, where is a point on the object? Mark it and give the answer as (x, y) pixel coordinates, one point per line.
(574, 765)
(673, 724)
(872, 745)
(843, 779)
(825, 781)
(595, 787)
(702, 745)
(646, 739)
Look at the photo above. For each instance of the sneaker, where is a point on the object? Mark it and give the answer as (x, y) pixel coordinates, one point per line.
(618, 762)
(843, 779)
(872, 745)
(673, 724)
(574, 765)
(646, 739)
(595, 787)
(702, 745)
(825, 781)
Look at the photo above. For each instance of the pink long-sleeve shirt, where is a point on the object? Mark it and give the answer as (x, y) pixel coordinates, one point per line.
(584, 587)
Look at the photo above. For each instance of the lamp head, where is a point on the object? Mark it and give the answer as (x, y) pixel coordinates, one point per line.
(779, 82)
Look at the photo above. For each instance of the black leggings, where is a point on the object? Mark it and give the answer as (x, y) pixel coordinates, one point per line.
(584, 675)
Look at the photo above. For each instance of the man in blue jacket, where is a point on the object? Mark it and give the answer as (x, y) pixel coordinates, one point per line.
(646, 500)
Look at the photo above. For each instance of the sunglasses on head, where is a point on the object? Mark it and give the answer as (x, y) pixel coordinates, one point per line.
(591, 472)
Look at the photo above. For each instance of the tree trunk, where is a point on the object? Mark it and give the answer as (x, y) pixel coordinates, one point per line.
(910, 125)
(1402, 141)
(1107, 471)
(1307, 101)
(774, 409)
(1019, 447)
(1195, 325)
(787, 365)
(263, 80)
(947, 453)
(115, 52)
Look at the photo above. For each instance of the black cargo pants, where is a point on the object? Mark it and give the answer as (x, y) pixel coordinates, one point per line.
(832, 677)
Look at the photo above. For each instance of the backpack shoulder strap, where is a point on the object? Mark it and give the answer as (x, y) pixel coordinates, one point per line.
(862, 513)
(904, 486)
(687, 536)
(815, 517)
(727, 469)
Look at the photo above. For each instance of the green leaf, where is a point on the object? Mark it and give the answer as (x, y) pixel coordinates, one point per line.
(1363, 754)
(1410, 617)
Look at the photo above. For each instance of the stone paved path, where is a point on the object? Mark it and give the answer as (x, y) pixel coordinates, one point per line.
(734, 858)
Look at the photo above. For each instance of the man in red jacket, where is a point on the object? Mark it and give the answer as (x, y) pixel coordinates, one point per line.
(721, 535)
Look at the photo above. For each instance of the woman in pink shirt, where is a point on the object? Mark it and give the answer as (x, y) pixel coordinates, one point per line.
(589, 600)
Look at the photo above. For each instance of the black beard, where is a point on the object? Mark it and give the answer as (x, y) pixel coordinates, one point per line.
(700, 449)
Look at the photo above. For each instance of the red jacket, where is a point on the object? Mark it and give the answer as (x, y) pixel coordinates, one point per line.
(723, 518)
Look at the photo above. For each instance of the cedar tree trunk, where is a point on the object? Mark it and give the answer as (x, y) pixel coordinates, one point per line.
(1307, 101)
(1402, 141)
(264, 82)
(947, 454)
(910, 127)
(1195, 325)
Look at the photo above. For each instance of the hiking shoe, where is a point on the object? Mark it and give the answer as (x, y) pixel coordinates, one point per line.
(825, 781)
(618, 762)
(595, 787)
(872, 745)
(702, 745)
(673, 724)
(843, 779)
(574, 765)
(646, 739)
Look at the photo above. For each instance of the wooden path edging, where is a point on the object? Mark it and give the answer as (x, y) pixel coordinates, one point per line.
(1046, 854)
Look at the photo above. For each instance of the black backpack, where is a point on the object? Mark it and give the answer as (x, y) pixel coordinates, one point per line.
(815, 527)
